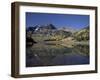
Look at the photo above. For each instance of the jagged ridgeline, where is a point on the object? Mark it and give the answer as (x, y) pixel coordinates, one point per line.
(47, 33)
(82, 35)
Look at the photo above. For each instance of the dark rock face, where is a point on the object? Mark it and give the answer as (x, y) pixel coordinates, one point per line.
(30, 41)
(49, 26)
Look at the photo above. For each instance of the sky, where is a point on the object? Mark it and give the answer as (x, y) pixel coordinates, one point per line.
(59, 20)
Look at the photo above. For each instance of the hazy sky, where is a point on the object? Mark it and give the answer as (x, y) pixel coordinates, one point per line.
(59, 20)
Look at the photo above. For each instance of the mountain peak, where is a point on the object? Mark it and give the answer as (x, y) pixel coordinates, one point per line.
(42, 27)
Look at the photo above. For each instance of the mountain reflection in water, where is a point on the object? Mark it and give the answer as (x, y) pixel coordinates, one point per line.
(52, 55)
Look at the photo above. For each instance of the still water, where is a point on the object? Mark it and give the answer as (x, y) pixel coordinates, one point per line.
(52, 55)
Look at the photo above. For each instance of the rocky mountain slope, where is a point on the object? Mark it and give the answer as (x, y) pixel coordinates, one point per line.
(82, 35)
(49, 32)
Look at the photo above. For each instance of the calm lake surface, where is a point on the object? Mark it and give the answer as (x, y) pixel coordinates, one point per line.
(52, 55)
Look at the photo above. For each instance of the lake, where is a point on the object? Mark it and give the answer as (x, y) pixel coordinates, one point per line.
(54, 54)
